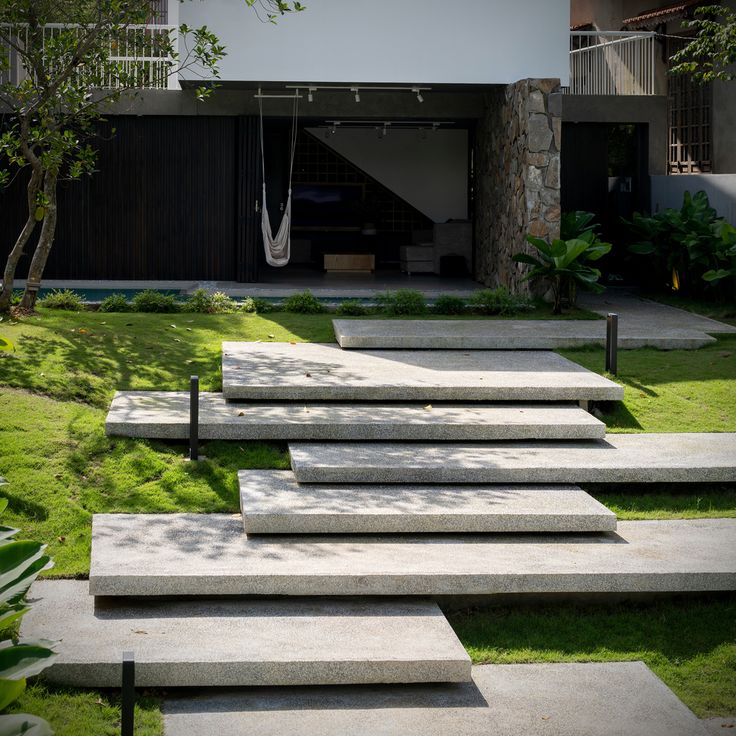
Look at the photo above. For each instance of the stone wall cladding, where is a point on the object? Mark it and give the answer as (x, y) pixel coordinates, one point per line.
(517, 175)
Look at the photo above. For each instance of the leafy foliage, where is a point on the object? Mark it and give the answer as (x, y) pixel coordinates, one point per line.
(402, 302)
(20, 564)
(206, 302)
(6, 346)
(303, 303)
(565, 263)
(574, 224)
(689, 247)
(351, 308)
(115, 303)
(497, 301)
(63, 299)
(449, 304)
(151, 300)
(256, 305)
(711, 54)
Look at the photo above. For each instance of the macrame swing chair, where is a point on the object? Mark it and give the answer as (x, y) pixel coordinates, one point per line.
(278, 247)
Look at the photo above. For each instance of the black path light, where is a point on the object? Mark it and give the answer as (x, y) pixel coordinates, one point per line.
(612, 343)
(127, 707)
(194, 418)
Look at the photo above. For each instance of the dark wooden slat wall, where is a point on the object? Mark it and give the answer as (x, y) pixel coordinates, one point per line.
(165, 204)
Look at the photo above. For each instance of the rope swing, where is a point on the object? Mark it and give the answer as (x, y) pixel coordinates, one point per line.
(278, 247)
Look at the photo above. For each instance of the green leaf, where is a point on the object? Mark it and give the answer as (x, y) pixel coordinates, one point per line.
(3, 501)
(526, 258)
(12, 614)
(10, 691)
(8, 347)
(25, 659)
(15, 557)
(19, 724)
(642, 249)
(712, 275)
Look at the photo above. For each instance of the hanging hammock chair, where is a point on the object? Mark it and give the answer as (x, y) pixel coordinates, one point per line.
(278, 247)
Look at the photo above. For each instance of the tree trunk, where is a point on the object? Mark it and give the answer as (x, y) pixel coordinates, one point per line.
(45, 241)
(15, 255)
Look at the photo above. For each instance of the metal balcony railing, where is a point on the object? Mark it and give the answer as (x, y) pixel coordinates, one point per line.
(139, 50)
(612, 63)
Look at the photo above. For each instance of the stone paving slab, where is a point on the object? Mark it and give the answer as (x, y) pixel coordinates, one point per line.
(272, 502)
(592, 699)
(508, 334)
(165, 415)
(321, 372)
(620, 458)
(228, 643)
(208, 554)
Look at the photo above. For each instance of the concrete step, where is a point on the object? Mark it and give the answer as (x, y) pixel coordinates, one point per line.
(317, 372)
(208, 554)
(165, 415)
(591, 699)
(272, 502)
(226, 643)
(509, 334)
(620, 458)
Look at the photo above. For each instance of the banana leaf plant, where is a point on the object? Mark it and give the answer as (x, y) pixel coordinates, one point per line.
(565, 264)
(21, 561)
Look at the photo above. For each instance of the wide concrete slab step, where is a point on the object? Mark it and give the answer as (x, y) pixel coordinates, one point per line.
(509, 334)
(242, 643)
(591, 699)
(272, 502)
(620, 458)
(208, 554)
(165, 415)
(320, 372)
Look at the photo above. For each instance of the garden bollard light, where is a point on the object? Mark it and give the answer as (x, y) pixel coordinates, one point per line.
(127, 708)
(194, 418)
(612, 343)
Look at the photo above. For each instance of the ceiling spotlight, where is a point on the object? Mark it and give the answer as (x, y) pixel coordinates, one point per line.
(357, 93)
(418, 92)
(333, 129)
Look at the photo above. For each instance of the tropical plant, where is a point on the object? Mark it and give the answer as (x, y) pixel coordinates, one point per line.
(256, 305)
(115, 303)
(574, 224)
(20, 564)
(565, 264)
(351, 308)
(206, 302)
(497, 301)
(449, 304)
(64, 299)
(689, 247)
(151, 300)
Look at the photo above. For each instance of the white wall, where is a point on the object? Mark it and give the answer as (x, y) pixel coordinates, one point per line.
(668, 191)
(390, 41)
(430, 173)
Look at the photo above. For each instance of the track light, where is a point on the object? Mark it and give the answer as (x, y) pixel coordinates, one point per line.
(357, 93)
(418, 93)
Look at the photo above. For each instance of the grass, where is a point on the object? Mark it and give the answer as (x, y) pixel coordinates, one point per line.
(62, 469)
(721, 311)
(690, 644)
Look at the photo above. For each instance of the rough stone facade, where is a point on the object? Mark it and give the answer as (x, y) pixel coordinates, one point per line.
(517, 175)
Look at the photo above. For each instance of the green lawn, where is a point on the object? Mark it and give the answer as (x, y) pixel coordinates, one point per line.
(62, 469)
(691, 644)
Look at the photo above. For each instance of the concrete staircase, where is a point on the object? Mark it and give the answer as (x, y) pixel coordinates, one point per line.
(437, 473)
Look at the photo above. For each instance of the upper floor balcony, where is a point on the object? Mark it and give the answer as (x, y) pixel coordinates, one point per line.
(613, 63)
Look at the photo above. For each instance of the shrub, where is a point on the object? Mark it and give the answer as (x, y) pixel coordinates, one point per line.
(256, 305)
(403, 301)
(63, 299)
(205, 302)
(304, 303)
(351, 308)
(448, 304)
(151, 300)
(115, 303)
(495, 301)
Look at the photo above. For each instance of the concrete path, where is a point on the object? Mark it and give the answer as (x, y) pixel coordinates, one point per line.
(272, 502)
(165, 415)
(616, 699)
(208, 554)
(229, 643)
(620, 458)
(324, 372)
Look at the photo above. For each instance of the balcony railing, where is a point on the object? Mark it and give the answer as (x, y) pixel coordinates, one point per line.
(139, 50)
(612, 63)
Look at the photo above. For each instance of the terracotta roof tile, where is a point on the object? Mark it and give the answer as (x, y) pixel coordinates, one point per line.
(661, 14)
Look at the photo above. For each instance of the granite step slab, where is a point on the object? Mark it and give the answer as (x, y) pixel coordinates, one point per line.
(570, 699)
(508, 334)
(165, 415)
(272, 502)
(237, 643)
(620, 458)
(208, 554)
(321, 372)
